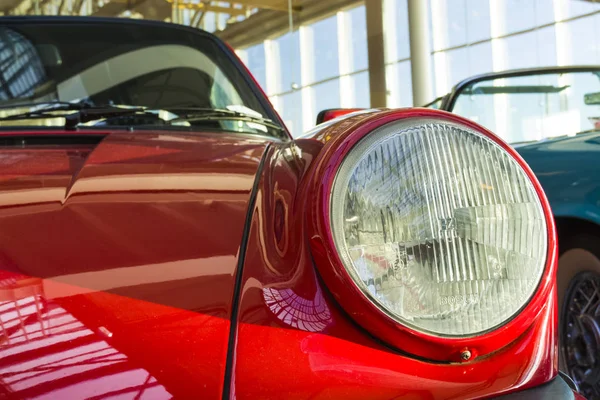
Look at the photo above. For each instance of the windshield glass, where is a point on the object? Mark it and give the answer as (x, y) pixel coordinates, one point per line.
(158, 67)
(535, 106)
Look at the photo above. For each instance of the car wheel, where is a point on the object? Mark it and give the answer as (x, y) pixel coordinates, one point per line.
(579, 313)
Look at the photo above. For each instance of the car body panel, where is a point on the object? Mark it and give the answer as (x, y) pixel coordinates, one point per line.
(134, 243)
(293, 338)
(118, 286)
(572, 192)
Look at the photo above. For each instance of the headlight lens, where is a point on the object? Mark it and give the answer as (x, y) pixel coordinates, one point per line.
(439, 227)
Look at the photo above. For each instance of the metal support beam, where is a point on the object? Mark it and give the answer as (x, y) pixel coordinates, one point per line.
(174, 12)
(277, 5)
(78, 7)
(375, 46)
(60, 7)
(420, 52)
(204, 6)
(267, 24)
(199, 15)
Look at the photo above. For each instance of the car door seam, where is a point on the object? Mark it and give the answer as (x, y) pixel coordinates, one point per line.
(231, 342)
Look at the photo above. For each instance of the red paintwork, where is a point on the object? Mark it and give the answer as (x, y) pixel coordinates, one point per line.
(121, 259)
(338, 112)
(294, 339)
(351, 297)
(578, 396)
(134, 244)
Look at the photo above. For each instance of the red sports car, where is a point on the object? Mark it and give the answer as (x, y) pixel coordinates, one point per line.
(162, 235)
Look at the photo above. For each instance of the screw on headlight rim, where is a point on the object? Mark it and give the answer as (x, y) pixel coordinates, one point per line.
(465, 355)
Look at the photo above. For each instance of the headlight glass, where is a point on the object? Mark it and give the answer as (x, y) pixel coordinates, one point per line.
(439, 227)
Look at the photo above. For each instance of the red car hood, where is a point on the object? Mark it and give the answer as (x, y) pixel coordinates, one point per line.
(117, 263)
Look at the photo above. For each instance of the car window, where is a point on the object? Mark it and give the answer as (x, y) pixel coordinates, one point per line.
(156, 67)
(534, 106)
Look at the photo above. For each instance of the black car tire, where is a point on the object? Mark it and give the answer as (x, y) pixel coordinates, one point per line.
(579, 259)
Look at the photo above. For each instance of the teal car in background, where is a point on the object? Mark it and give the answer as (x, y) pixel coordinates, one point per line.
(552, 117)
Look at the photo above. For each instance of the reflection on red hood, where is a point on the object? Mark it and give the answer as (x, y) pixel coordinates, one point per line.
(117, 263)
(76, 362)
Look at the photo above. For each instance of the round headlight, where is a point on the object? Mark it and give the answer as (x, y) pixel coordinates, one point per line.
(439, 227)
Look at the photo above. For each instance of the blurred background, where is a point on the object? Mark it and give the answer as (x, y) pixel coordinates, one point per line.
(310, 55)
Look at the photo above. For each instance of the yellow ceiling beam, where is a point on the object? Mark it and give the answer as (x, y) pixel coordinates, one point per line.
(199, 6)
(277, 5)
(209, 8)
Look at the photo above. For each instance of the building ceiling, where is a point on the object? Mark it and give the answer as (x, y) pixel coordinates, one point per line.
(241, 22)
(9, 5)
(149, 9)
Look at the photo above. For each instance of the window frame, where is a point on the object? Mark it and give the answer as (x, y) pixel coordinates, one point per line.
(449, 101)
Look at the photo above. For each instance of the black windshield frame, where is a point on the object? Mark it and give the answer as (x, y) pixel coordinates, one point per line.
(234, 69)
(449, 100)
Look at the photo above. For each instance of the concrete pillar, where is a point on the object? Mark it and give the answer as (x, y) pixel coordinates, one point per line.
(376, 48)
(420, 51)
(345, 56)
(307, 74)
(271, 67)
(175, 12)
